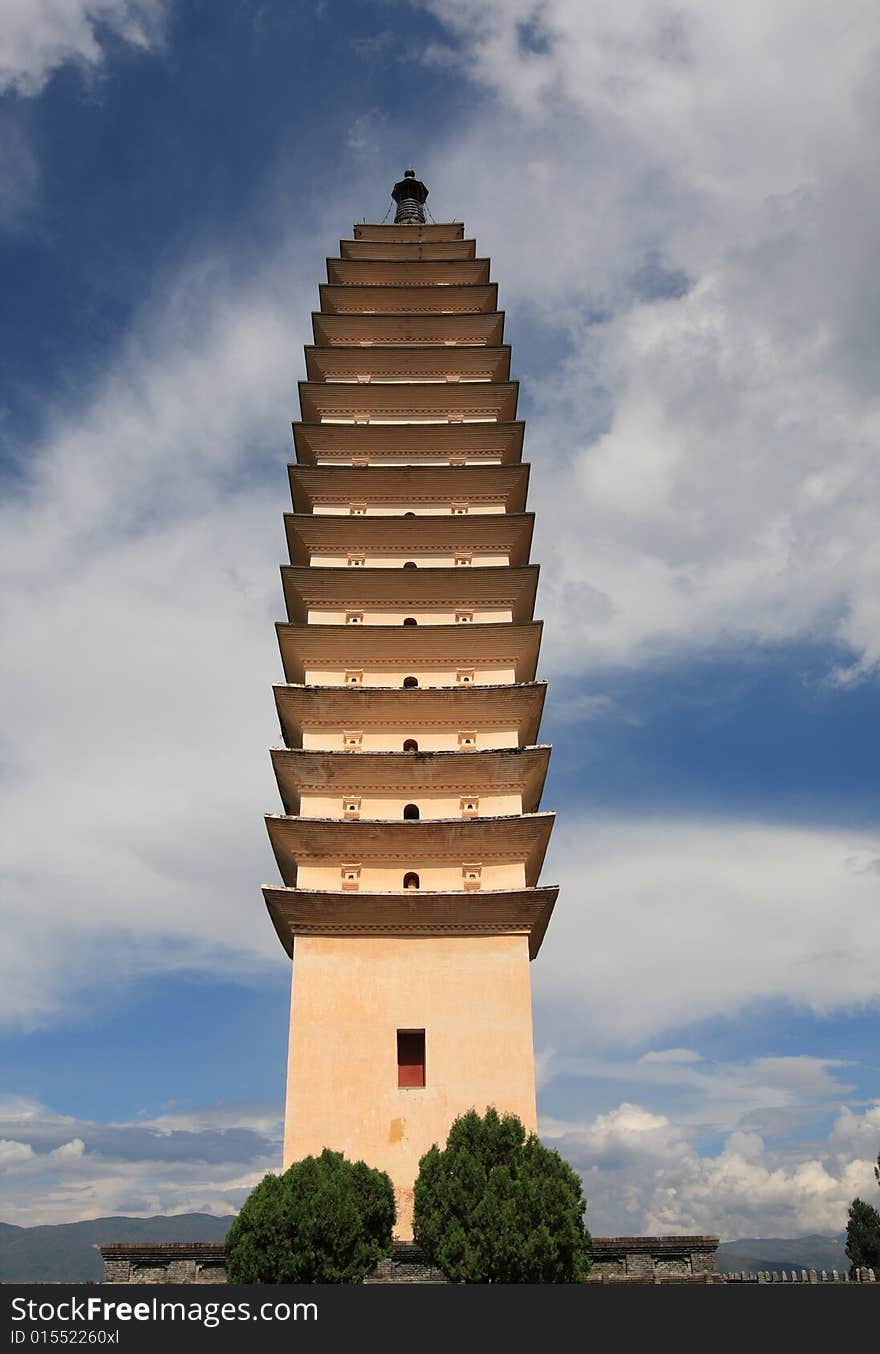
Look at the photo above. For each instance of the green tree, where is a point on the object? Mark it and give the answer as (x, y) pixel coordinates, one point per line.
(863, 1236)
(496, 1206)
(325, 1220)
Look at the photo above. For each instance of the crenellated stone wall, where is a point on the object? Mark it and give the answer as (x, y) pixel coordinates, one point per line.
(861, 1275)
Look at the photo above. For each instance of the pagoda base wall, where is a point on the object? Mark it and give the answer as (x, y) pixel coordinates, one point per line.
(471, 996)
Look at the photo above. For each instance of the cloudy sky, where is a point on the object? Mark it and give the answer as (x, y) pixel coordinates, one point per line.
(681, 202)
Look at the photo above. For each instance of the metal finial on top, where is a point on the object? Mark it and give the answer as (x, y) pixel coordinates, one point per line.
(409, 194)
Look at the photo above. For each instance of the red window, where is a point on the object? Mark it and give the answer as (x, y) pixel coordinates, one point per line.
(410, 1057)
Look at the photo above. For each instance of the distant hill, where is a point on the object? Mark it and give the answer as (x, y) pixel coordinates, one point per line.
(801, 1252)
(65, 1253)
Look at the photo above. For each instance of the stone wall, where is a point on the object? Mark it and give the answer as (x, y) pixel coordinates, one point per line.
(621, 1259)
(408, 1264)
(164, 1262)
(648, 1259)
(636, 1259)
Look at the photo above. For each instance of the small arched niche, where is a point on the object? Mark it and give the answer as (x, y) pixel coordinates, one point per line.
(411, 813)
(410, 620)
(410, 681)
(410, 564)
(409, 514)
(410, 745)
(411, 880)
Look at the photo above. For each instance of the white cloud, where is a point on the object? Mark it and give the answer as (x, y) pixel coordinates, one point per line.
(775, 1096)
(687, 194)
(259, 1117)
(140, 579)
(671, 1055)
(38, 36)
(14, 1154)
(662, 923)
(643, 1171)
(68, 1151)
(642, 1174)
(141, 583)
(204, 1160)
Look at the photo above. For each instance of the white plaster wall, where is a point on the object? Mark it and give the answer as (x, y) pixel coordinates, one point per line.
(391, 807)
(397, 561)
(485, 676)
(421, 460)
(484, 616)
(429, 740)
(375, 509)
(437, 878)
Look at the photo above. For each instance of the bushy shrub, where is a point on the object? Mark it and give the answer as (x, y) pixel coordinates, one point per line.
(325, 1220)
(497, 1206)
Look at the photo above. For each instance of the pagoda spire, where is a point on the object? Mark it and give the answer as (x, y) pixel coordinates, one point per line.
(410, 194)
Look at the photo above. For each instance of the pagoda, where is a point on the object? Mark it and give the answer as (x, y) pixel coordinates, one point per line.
(410, 774)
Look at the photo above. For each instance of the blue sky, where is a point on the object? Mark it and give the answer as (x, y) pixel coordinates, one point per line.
(680, 203)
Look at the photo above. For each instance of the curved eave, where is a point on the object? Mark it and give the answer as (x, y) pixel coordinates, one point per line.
(409, 647)
(421, 230)
(441, 442)
(509, 533)
(408, 272)
(492, 771)
(334, 708)
(497, 587)
(385, 363)
(390, 329)
(408, 249)
(427, 299)
(419, 485)
(314, 912)
(517, 839)
(402, 401)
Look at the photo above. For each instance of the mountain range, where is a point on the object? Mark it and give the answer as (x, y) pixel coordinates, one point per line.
(67, 1252)
(800, 1252)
